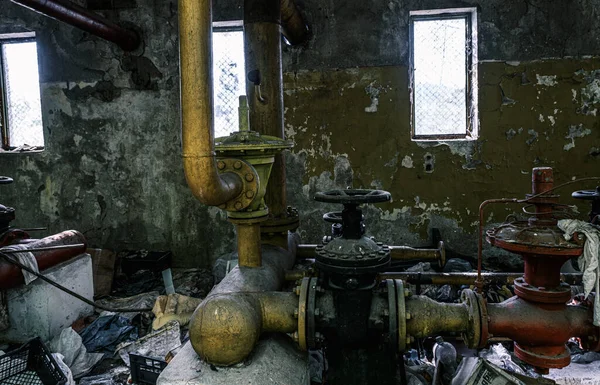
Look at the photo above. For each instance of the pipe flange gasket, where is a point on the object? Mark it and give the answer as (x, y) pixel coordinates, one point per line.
(557, 295)
(250, 183)
(401, 305)
(393, 314)
(473, 334)
(302, 302)
(311, 300)
(485, 333)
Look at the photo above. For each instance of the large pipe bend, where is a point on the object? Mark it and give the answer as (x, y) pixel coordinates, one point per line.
(199, 158)
(227, 325)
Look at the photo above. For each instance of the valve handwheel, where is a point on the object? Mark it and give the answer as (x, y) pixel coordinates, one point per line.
(5, 180)
(590, 195)
(351, 217)
(353, 196)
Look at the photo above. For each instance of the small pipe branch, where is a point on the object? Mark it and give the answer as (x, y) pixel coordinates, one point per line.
(77, 16)
(199, 158)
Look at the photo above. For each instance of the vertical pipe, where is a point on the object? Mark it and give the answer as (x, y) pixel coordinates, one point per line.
(248, 245)
(262, 41)
(197, 130)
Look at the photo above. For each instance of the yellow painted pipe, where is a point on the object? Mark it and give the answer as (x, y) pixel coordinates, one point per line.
(248, 245)
(227, 326)
(199, 158)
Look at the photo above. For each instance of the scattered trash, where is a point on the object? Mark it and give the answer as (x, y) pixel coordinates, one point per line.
(447, 293)
(103, 268)
(457, 265)
(475, 371)
(585, 358)
(193, 282)
(31, 363)
(173, 307)
(139, 301)
(145, 370)
(420, 267)
(115, 376)
(499, 356)
(156, 344)
(74, 354)
(59, 358)
(106, 332)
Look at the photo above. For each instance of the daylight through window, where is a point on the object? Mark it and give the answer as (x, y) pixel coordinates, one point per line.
(20, 97)
(229, 77)
(444, 74)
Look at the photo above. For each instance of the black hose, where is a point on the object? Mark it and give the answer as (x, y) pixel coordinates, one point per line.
(70, 292)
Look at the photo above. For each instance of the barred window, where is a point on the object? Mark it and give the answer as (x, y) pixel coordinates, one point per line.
(443, 69)
(228, 75)
(20, 105)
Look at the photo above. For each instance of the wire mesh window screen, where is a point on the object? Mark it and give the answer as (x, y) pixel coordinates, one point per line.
(22, 94)
(440, 61)
(229, 79)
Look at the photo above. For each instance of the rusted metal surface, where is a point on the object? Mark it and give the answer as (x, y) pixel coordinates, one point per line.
(293, 24)
(77, 16)
(11, 276)
(537, 318)
(540, 330)
(433, 278)
(399, 253)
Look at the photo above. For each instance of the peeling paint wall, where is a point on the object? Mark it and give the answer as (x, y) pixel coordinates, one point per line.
(112, 165)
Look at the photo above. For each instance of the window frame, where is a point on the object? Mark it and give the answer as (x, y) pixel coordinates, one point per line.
(471, 63)
(10, 38)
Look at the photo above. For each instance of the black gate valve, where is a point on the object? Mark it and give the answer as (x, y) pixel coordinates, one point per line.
(594, 196)
(351, 216)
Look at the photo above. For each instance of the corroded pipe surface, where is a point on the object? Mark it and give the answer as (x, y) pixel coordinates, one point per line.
(468, 278)
(293, 24)
(195, 41)
(240, 309)
(227, 325)
(77, 16)
(535, 324)
(426, 317)
(11, 276)
(248, 245)
(398, 253)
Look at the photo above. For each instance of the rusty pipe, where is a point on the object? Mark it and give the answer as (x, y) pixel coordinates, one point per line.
(468, 278)
(11, 276)
(248, 245)
(293, 25)
(398, 253)
(538, 325)
(199, 158)
(77, 16)
(426, 317)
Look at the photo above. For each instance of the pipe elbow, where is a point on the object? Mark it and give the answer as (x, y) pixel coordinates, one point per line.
(225, 328)
(207, 185)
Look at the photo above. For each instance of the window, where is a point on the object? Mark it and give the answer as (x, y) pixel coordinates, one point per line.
(443, 70)
(229, 75)
(20, 106)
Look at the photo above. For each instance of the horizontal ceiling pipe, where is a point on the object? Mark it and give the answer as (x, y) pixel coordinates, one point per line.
(85, 20)
(293, 25)
(199, 158)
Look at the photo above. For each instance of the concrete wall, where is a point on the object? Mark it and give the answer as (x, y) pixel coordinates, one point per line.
(112, 164)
